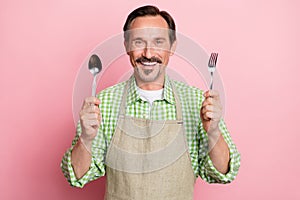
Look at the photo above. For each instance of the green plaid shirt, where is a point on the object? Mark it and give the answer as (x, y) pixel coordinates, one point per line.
(191, 99)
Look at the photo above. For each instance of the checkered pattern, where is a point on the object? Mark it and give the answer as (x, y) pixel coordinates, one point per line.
(191, 99)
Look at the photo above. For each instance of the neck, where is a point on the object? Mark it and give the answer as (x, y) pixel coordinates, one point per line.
(157, 85)
(150, 86)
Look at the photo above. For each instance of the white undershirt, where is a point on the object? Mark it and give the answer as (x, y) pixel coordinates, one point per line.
(150, 95)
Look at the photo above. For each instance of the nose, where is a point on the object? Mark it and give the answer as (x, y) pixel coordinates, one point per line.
(148, 51)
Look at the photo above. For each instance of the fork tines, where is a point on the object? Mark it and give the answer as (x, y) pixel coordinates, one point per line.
(212, 62)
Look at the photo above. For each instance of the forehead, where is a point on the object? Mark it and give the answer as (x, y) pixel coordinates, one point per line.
(148, 27)
(148, 33)
(149, 22)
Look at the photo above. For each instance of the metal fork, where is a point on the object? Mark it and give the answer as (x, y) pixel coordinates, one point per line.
(212, 63)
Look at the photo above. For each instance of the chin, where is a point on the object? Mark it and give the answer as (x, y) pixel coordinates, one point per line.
(152, 77)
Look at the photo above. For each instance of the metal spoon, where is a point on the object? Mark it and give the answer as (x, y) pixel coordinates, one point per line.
(95, 67)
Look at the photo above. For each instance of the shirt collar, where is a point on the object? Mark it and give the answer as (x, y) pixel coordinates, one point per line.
(134, 96)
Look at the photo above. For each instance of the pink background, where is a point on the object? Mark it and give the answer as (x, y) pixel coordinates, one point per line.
(44, 43)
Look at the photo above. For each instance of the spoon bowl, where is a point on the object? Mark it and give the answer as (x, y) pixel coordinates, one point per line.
(95, 67)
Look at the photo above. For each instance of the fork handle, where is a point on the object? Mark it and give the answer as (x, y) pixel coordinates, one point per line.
(211, 80)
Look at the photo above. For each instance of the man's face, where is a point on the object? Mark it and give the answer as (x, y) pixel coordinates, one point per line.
(149, 48)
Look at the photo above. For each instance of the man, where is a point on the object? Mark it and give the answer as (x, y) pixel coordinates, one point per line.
(151, 136)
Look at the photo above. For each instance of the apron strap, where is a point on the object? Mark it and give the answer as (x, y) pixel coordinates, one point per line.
(177, 101)
(124, 97)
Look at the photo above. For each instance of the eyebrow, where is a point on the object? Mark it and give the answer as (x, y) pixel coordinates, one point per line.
(160, 38)
(157, 38)
(138, 38)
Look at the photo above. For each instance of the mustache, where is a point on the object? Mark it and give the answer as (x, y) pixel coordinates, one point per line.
(152, 59)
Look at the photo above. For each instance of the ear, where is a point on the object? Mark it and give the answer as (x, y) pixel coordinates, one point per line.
(126, 45)
(173, 48)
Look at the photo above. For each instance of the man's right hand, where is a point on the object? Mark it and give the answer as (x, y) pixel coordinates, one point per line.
(90, 119)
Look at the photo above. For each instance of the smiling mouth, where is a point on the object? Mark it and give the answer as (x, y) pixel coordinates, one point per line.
(148, 62)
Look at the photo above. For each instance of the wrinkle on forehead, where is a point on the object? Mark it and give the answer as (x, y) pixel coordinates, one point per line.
(148, 22)
(149, 33)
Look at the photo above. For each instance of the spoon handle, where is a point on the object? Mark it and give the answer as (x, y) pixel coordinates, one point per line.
(94, 87)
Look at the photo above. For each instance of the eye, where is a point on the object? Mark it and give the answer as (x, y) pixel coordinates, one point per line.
(160, 42)
(138, 43)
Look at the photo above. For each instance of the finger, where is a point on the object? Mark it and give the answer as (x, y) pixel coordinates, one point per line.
(216, 104)
(208, 115)
(88, 112)
(212, 94)
(217, 110)
(213, 116)
(207, 108)
(212, 101)
(91, 100)
(206, 94)
(90, 116)
(205, 116)
(208, 101)
(91, 109)
(91, 123)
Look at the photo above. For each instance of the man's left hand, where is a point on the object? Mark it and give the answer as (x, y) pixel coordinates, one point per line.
(211, 111)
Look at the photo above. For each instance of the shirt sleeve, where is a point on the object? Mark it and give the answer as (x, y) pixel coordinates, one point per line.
(96, 169)
(208, 172)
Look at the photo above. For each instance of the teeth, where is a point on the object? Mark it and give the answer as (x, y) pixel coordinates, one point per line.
(149, 63)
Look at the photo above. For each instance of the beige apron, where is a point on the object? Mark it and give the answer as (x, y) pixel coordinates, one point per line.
(149, 159)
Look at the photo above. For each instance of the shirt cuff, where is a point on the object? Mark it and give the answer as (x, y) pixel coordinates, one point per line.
(214, 176)
(93, 173)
